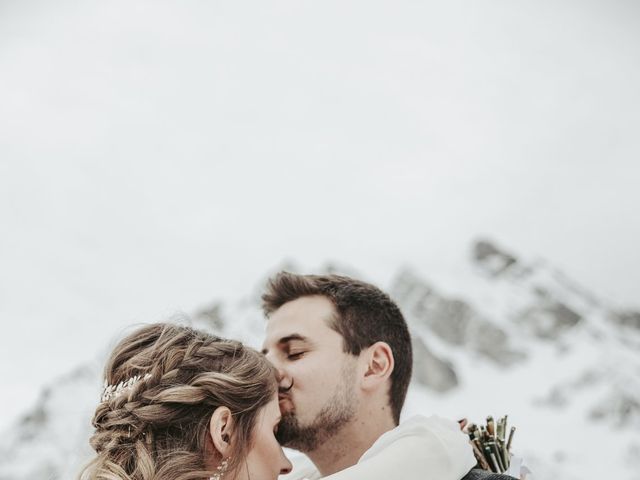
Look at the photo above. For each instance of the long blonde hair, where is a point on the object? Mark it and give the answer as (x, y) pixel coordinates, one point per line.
(158, 428)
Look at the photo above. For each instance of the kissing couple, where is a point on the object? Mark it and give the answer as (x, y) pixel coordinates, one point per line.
(330, 382)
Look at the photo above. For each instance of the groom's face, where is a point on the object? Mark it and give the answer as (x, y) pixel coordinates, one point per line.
(317, 379)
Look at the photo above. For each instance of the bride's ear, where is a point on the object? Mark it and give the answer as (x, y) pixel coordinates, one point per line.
(220, 429)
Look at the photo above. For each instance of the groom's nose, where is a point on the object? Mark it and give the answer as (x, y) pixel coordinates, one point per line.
(281, 374)
(285, 382)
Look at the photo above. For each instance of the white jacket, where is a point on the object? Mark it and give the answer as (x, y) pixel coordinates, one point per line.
(420, 448)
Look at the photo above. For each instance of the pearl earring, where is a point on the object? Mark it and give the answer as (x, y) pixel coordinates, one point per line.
(222, 469)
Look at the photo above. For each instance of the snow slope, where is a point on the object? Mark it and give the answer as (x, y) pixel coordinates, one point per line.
(523, 340)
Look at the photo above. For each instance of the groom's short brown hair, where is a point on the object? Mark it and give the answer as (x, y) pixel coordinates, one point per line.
(365, 315)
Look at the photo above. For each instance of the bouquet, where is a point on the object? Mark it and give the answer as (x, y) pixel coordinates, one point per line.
(492, 447)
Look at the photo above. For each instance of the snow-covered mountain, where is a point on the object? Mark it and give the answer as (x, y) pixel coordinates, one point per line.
(516, 337)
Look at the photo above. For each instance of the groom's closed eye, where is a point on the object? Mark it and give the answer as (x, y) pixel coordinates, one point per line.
(295, 355)
(286, 344)
(296, 348)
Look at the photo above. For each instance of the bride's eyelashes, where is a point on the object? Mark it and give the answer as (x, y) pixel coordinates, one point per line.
(295, 356)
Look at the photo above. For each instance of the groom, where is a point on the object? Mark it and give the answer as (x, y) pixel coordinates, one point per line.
(343, 354)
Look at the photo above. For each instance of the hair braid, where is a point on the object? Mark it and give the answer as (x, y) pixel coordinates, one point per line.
(158, 427)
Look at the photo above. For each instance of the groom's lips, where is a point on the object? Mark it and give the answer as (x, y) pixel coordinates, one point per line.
(285, 403)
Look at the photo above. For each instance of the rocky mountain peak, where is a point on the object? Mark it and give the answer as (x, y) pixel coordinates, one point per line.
(490, 258)
(521, 332)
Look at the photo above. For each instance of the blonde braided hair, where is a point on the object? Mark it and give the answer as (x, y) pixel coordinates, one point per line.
(158, 428)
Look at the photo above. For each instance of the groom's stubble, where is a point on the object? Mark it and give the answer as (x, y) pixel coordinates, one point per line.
(338, 411)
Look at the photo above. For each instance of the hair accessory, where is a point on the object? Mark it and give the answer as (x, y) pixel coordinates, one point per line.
(112, 391)
(222, 469)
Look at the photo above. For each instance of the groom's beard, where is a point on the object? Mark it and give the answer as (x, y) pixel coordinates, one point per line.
(336, 413)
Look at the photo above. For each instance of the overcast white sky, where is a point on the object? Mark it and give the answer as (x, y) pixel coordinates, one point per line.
(155, 155)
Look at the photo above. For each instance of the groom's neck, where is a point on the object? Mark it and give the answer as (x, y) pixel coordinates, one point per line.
(345, 448)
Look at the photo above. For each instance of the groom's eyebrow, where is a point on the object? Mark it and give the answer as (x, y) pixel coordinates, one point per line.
(292, 337)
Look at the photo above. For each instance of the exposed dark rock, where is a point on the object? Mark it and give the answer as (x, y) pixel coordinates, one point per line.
(548, 320)
(557, 398)
(559, 395)
(34, 420)
(212, 317)
(449, 319)
(491, 341)
(431, 371)
(621, 408)
(411, 293)
(492, 259)
(628, 318)
(541, 292)
(452, 320)
(51, 439)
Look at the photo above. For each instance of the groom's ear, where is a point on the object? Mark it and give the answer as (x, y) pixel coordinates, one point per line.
(220, 429)
(379, 365)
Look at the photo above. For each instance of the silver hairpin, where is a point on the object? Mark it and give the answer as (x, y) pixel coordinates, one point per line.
(112, 391)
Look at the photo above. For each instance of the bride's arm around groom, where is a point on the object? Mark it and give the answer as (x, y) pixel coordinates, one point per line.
(420, 448)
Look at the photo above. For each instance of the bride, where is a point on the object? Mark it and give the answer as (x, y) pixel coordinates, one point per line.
(181, 404)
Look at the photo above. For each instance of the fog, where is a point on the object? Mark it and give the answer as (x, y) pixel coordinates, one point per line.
(157, 155)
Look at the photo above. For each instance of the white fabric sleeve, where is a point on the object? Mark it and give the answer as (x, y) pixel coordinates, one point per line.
(420, 449)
